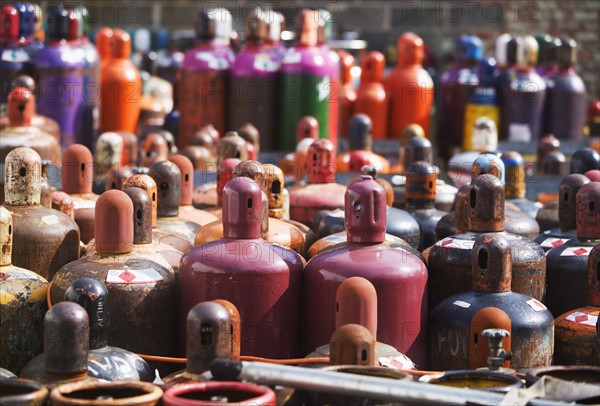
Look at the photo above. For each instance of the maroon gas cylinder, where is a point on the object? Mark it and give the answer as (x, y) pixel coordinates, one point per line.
(219, 393)
(43, 239)
(567, 213)
(168, 180)
(66, 343)
(142, 290)
(77, 176)
(456, 323)
(208, 336)
(153, 149)
(186, 210)
(575, 339)
(515, 178)
(22, 306)
(399, 277)
(449, 260)
(262, 279)
(567, 264)
(321, 192)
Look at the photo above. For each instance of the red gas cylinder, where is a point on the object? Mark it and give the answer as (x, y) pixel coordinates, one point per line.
(219, 393)
(575, 339)
(399, 277)
(262, 279)
(347, 91)
(104, 44)
(153, 149)
(371, 98)
(43, 239)
(21, 316)
(77, 176)
(321, 192)
(409, 87)
(293, 164)
(142, 290)
(360, 143)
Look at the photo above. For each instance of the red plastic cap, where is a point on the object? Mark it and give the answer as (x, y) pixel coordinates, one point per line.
(588, 211)
(187, 177)
(9, 23)
(411, 49)
(320, 162)
(242, 209)
(121, 44)
(21, 106)
(77, 172)
(114, 223)
(372, 66)
(356, 303)
(365, 211)
(307, 127)
(224, 175)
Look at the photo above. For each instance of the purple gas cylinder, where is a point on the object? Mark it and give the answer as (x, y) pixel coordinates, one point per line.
(14, 60)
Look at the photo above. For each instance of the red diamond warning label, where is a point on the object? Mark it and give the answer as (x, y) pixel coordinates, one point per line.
(576, 251)
(587, 319)
(4, 276)
(536, 305)
(553, 242)
(127, 276)
(456, 243)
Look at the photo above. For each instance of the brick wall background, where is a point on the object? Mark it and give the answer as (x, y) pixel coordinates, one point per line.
(380, 22)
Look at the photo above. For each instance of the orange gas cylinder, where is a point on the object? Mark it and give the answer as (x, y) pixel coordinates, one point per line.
(121, 87)
(409, 87)
(104, 44)
(371, 96)
(307, 131)
(348, 92)
(360, 154)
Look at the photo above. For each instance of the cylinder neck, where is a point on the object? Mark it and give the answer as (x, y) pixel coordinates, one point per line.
(365, 211)
(491, 264)
(63, 203)
(21, 107)
(567, 200)
(22, 177)
(250, 133)
(234, 317)
(104, 43)
(254, 170)
(420, 187)
(142, 215)
(187, 177)
(356, 303)
(6, 237)
(514, 166)
(346, 65)
(588, 212)
(77, 172)
(372, 66)
(242, 209)
(147, 184)
(275, 188)
(92, 295)
(307, 28)
(114, 223)
(153, 148)
(411, 49)
(488, 164)
(109, 149)
(121, 48)
(66, 339)
(461, 209)
(168, 181)
(486, 204)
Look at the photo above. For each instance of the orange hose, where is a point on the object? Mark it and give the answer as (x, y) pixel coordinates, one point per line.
(48, 298)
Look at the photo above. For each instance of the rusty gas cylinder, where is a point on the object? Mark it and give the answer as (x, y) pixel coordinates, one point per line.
(21, 133)
(371, 97)
(153, 149)
(321, 192)
(567, 264)
(262, 279)
(293, 164)
(236, 327)
(102, 393)
(421, 180)
(231, 145)
(449, 260)
(43, 239)
(201, 157)
(105, 362)
(278, 195)
(583, 160)
(456, 323)
(22, 392)
(208, 336)
(360, 139)
(252, 137)
(546, 145)
(66, 344)
(22, 305)
(186, 210)
(401, 314)
(142, 290)
(575, 340)
(129, 154)
(63, 203)
(410, 131)
(116, 177)
(168, 181)
(107, 155)
(219, 393)
(209, 196)
(347, 90)
(567, 213)
(515, 175)
(77, 176)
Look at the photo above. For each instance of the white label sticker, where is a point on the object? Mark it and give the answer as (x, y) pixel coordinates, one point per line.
(14, 55)
(292, 56)
(450, 242)
(397, 362)
(586, 319)
(462, 304)
(536, 305)
(262, 62)
(84, 204)
(132, 276)
(51, 219)
(17, 275)
(576, 252)
(519, 132)
(553, 242)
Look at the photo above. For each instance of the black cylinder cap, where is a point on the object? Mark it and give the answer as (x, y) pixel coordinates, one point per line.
(66, 339)
(142, 215)
(168, 183)
(359, 132)
(92, 295)
(58, 23)
(584, 159)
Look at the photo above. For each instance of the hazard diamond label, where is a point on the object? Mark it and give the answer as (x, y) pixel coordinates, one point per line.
(553, 242)
(576, 252)
(586, 319)
(4, 276)
(456, 243)
(536, 305)
(126, 276)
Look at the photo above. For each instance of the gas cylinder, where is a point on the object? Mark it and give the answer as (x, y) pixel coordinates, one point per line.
(14, 59)
(279, 197)
(208, 336)
(347, 91)
(523, 95)
(108, 154)
(186, 210)
(27, 19)
(583, 160)
(66, 344)
(456, 323)
(20, 391)
(293, 164)
(567, 264)
(456, 84)
(550, 159)
(153, 149)
(99, 393)
(275, 26)
(104, 45)
(593, 123)
(254, 85)
(305, 84)
(360, 139)
(121, 87)
(449, 260)
(59, 68)
(409, 87)
(567, 213)
(201, 157)
(22, 305)
(576, 342)
(566, 96)
(421, 179)
(168, 180)
(321, 192)
(332, 64)
(266, 276)
(63, 203)
(203, 75)
(401, 314)
(209, 196)
(514, 188)
(44, 239)
(142, 290)
(219, 392)
(547, 55)
(77, 175)
(21, 133)
(371, 97)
